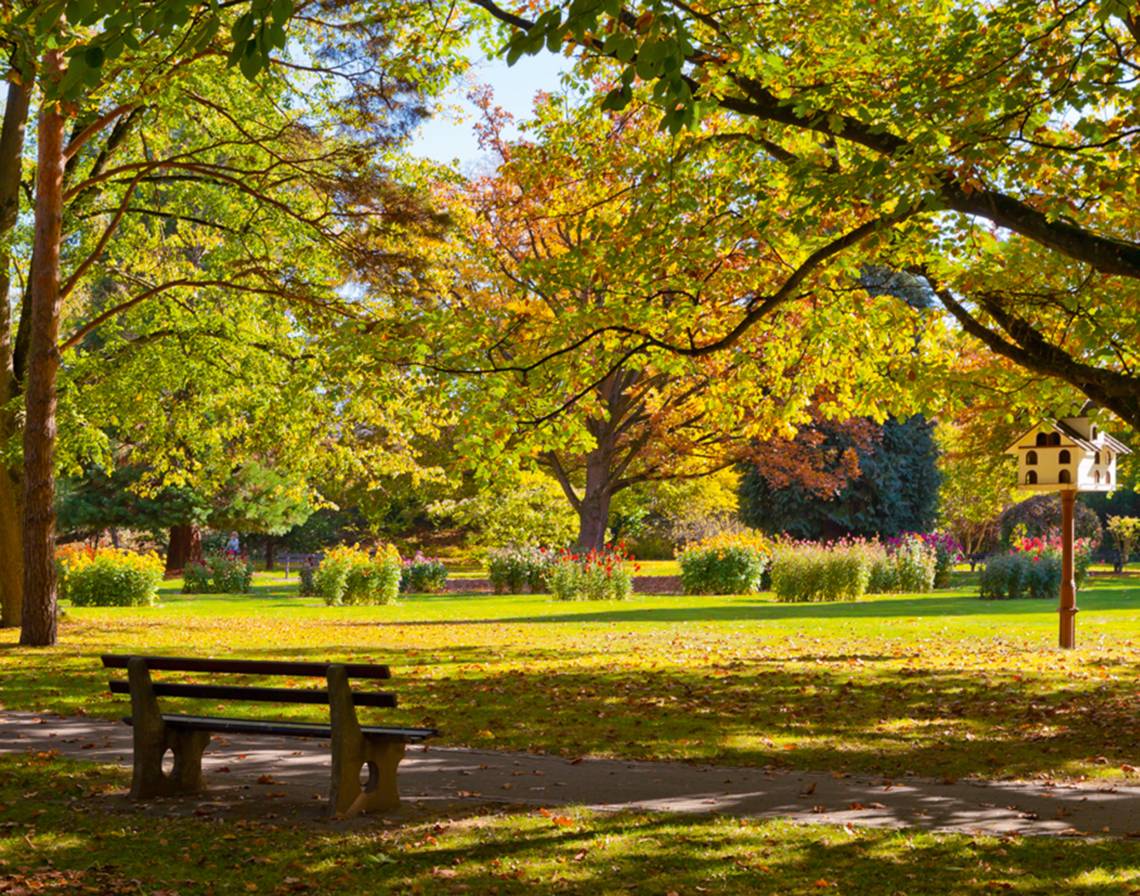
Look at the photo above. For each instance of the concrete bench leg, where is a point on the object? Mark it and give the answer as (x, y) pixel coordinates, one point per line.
(353, 752)
(153, 737)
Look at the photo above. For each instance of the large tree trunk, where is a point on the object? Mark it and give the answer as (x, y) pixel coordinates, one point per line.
(594, 508)
(11, 552)
(270, 552)
(38, 627)
(185, 547)
(11, 543)
(593, 520)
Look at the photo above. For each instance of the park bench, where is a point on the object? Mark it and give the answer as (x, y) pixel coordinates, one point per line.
(354, 746)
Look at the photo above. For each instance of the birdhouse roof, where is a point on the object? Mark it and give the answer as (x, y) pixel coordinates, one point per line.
(1059, 426)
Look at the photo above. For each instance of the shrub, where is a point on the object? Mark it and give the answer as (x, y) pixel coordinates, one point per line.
(196, 578)
(113, 578)
(1003, 577)
(1033, 569)
(423, 575)
(230, 574)
(596, 575)
(947, 552)
(68, 556)
(353, 575)
(883, 575)
(724, 564)
(519, 570)
(914, 561)
(1051, 545)
(814, 572)
(308, 587)
(1125, 531)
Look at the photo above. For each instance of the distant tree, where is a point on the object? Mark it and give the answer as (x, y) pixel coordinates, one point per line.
(874, 483)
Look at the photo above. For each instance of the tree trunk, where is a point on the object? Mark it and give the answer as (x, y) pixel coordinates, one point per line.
(11, 552)
(39, 621)
(593, 519)
(594, 508)
(270, 552)
(185, 547)
(11, 512)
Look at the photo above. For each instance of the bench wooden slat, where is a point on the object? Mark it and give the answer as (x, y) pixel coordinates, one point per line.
(246, 667)
(256, 694)
(283, 729)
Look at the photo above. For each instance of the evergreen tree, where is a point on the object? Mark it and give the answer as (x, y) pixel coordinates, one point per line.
(895, 489)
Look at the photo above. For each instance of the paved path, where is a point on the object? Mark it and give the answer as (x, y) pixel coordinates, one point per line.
(296, 771)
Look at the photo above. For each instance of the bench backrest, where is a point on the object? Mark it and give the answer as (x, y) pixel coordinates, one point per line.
(251, 667)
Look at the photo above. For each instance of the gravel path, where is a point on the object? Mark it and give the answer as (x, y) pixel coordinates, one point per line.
(295, 771)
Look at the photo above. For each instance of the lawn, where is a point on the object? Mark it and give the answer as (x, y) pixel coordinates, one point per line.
(68, 830)
(940, 685)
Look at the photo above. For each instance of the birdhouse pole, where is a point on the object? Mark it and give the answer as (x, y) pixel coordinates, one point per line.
(1068, 607)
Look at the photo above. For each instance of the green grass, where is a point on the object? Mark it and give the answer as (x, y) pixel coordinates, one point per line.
(941, 685)
(67, 830)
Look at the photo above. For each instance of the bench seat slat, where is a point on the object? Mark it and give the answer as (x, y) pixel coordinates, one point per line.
(283, 729)
(247, 667)
(382, 699)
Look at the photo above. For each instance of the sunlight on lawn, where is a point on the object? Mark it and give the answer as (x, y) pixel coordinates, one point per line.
(941, 685)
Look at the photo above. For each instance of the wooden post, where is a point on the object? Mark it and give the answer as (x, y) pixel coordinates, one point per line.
(1068, 607)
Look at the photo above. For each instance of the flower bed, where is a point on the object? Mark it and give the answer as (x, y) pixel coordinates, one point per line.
(594, 575)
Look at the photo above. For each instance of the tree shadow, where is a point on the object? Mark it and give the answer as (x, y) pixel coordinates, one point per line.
(82, 836)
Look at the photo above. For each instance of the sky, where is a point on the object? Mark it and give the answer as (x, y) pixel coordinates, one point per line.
(448, 136)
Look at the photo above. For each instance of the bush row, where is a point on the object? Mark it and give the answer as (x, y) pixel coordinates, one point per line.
(848, 569)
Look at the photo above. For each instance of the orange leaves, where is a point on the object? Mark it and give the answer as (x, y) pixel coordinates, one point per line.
(562, 821)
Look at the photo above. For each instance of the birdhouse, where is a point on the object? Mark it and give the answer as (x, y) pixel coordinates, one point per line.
(1072, 453)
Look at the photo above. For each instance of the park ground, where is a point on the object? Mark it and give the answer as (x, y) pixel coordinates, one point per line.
(941, 686)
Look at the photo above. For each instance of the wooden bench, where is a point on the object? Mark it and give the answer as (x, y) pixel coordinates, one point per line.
(354, 747)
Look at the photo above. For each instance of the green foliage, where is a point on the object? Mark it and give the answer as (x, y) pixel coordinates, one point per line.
(95, 500)
(1015, 575)
(595, 575)
(1125, 532)
(517, 508)
(813, 572)
(977, 484)
(520, 569)
(307, 576)
(355, 575)
(915, 564)
(724, 564)
(895, 491)
(423, 575)
(655, 517)
(229, 574)
(219, 573)
(883, 577)
(196, 579)
(113, 578)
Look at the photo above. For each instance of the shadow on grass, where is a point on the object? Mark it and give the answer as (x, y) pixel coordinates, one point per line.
(751, 610)
(78, 835)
